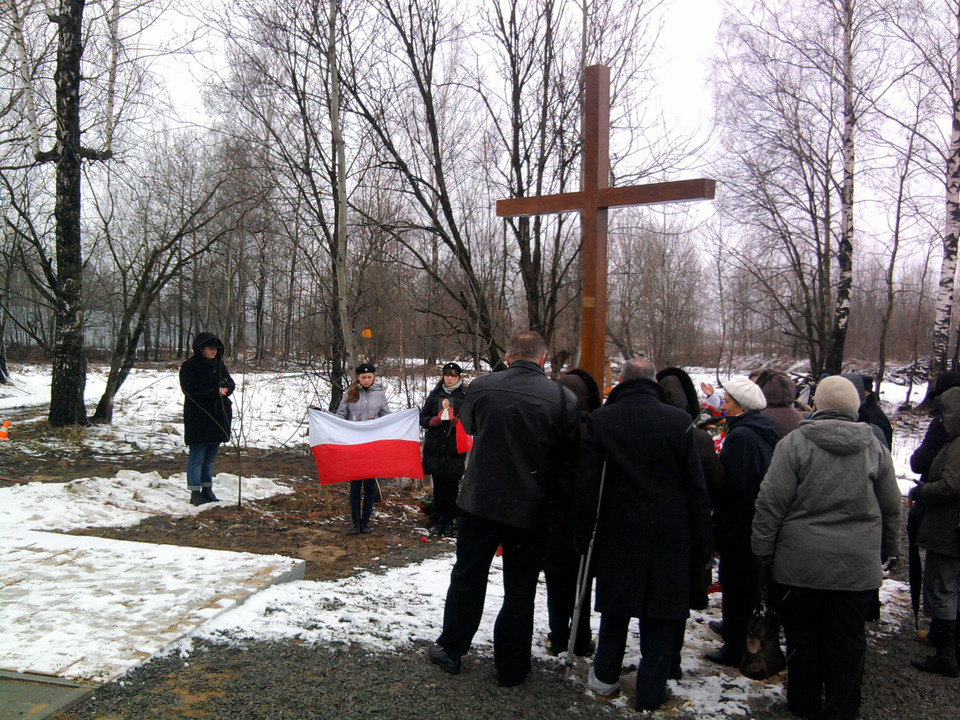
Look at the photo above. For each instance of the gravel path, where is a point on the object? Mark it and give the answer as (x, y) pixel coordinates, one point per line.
(295, 680)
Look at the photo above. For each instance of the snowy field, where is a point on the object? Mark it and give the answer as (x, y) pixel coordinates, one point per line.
(386, 610)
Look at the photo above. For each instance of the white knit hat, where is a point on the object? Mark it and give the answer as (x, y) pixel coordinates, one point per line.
(745, 392)
(836, 393)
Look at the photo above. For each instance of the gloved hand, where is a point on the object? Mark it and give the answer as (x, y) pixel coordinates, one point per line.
(435, 421)
(454, 421)
(916, 493)
(889, 563)
(765, 561)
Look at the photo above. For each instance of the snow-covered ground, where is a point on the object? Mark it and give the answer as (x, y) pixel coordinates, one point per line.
(384, 610)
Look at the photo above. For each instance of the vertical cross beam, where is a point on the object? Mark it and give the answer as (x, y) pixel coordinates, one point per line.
(595, 177)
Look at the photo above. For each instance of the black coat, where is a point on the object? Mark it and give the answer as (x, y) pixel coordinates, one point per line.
(526, 430)
(747, 450)
(654, 523)
(206, 413)
(440, 456)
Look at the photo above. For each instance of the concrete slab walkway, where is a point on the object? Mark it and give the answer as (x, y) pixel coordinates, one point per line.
(88, 609)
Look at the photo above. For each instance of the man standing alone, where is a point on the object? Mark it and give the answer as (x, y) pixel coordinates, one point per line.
(525, 427)
(653, 533)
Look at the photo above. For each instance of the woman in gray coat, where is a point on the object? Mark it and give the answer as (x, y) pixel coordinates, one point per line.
(364, 400)
(938, 535)
(827, 515)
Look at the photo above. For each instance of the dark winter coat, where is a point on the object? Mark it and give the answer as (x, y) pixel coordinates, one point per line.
(654, 522)
(746, 453)
(940, 494)
(680, 392)
(780, 392)
(560, 553)
(525, 429)
(870, 412)
(440, 456)
(829, 506)
(206, 413)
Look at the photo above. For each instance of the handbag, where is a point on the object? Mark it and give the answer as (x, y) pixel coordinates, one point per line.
(762, 656)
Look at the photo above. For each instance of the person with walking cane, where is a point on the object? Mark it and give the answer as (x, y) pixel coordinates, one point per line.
(653, 535)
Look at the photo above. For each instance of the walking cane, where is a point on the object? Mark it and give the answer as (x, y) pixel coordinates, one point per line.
(583, 580)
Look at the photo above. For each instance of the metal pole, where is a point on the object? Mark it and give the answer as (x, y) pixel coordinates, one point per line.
(583, 579)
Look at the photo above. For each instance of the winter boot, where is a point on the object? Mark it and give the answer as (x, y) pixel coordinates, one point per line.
(197, 498)
(355, 530)
(945, 661)
(365, 525)
(207, 494)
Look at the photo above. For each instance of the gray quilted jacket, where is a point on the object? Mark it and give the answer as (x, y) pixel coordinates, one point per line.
(371, 403)
(829, 506)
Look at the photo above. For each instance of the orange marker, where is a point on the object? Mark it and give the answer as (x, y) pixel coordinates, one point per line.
(4, 431)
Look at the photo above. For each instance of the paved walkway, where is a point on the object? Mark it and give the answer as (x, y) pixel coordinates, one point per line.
(88, 609)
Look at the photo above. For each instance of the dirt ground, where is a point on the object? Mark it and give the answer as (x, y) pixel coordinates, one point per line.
(310, 524)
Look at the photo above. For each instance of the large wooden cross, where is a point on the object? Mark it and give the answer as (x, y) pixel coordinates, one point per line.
(592, 201)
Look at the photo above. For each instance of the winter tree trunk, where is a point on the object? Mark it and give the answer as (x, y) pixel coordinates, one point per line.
(69, 363)
(340, 223)
(948, 267)
(841, 316)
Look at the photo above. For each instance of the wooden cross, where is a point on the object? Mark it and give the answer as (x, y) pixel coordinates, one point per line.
(592, 202)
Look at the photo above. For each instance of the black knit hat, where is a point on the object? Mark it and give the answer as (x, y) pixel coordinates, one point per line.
(454, 367)
(365, 368)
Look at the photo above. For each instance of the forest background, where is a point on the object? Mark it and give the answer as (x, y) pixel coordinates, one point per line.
(336, 201)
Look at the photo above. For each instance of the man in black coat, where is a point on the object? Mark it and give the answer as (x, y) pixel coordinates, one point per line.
(525, 428)
(207, 412)
(653, 533)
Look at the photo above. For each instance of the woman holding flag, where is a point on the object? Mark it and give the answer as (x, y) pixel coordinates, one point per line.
(364, 400)
(442, 459)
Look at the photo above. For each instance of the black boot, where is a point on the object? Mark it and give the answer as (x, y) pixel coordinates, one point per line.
(945, 661)
(208, 495)
(197, 498)
(355, 530)
(365, 525)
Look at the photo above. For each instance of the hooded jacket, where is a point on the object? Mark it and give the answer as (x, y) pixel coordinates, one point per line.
(829, 506)
(941, 492)
(206, 413)
(678, 387)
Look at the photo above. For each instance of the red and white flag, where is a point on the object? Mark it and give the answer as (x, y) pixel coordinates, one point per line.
(388, 446)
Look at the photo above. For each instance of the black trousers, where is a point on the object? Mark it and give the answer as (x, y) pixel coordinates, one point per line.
(658, 648)
(826, 647)
(739, 578)
(445, 491)
(561, 580)
(477, 544)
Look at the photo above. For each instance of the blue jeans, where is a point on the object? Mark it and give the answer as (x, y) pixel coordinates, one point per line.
(200, 466)
(369, 486)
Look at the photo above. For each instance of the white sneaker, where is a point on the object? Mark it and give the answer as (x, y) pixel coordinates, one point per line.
(599, 687)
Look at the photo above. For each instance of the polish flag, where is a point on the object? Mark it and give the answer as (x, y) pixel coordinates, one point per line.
(388, 446)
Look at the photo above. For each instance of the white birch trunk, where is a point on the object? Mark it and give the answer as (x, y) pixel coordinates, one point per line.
(948, 267)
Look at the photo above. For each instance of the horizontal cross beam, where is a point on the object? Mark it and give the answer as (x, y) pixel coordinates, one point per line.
(652, 194)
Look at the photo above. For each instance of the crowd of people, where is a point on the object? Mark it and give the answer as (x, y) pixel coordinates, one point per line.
(799, 503)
